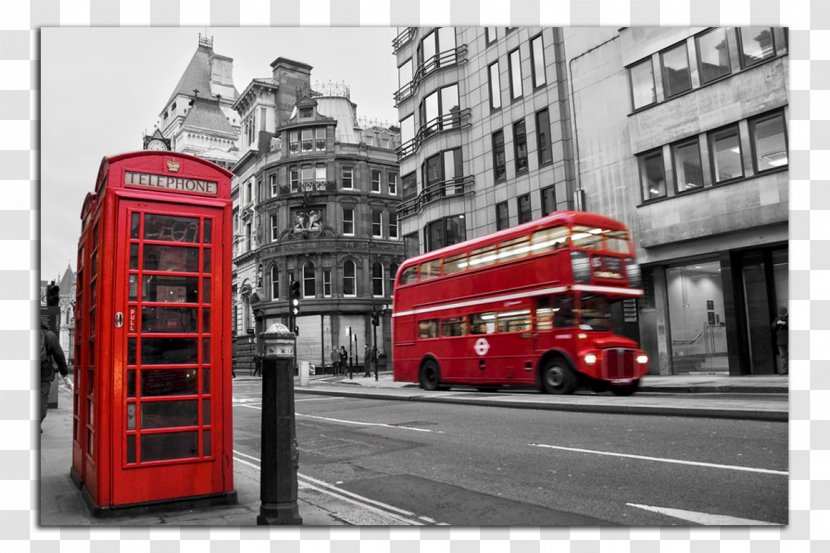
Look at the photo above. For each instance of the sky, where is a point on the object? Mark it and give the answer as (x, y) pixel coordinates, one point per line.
(103, 88)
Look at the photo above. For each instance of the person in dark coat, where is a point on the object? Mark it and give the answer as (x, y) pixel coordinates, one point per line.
(780, 327)
(50, 351)
(335, 360)
(344, 359)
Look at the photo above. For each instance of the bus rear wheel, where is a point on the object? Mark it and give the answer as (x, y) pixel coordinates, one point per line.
(625, 389)
(558, 377)
(430, 375)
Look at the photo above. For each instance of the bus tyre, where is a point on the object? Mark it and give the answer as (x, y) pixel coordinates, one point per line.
(430, 375)
(625, 389)
(558, 377)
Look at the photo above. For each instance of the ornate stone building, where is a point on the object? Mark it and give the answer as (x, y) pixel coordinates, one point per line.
(316, 198)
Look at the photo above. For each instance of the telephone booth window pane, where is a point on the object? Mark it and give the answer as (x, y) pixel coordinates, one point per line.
(170, 289)
(171, 258)
(205, 411)
(205, 320)
(208, 231)
(131, 383)
(133, 256)
(168, 351)
(168, 319)
(172, 229)
(131, 416)
(166, 414)
(172, 382)
(205, 350)
(91, 380)
(206, 381)
(178, 445)
(131, 449)
(206, 443)
(133, 287)
(90, 443)
(206, 261)
(131, 351)
(206, 290)
(135, 219)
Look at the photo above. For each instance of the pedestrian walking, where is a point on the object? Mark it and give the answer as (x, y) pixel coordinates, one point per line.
(780, 329)
(50, 350)
(367, 361)
(335, 360)
(344, 358)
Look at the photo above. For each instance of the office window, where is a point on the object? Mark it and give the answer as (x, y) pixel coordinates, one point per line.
(726, 154)
(537, 61)
(275, 283)
(756, 44)
(688, 173)
(524, 210)
(348, 221)
(320, 175)
(769, 142)
(320, 139)
(370, 140)
(347, 177)
(308, 173)
(515, 66)
(306, 140)
(407, 129)
(375, 181)
(393, 271)
(349, 288)
(249, 192)
(520, 147)
(377, 279)
(443, 167)
(392, 183)
(405, 73)
(713, 55)
(652, 175)
(309, 281)
(410, 186)
(499, 164)
(548, 196)
(428, 48)
(491, 35)
(275, 231)
(377, 223)
(393, 224)
(294, 179)
(294, 141)
(272, 182)
(444, 232)
(450, 109)
(676, 75)
(502, 216)
(326, 283)
(543, 137)
(495, 85)
(642, 84)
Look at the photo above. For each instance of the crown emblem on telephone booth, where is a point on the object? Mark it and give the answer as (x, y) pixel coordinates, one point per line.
(173, 165)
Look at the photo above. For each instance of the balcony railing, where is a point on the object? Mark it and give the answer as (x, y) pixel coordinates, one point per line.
(448, 58)
(307, 186)
(442, 123)
(436, 191)
(402, 38)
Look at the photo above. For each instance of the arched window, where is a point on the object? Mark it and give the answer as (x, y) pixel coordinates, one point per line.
(349, 288)
(275, 282)
(377, 279)
(309, 281)
(393, 270)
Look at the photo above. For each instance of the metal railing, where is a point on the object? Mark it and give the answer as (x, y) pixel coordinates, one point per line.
(442, 123)
(436, 191)
(402, 38)
(441, 60)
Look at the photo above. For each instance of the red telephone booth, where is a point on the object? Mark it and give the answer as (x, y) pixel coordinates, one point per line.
(152, 404)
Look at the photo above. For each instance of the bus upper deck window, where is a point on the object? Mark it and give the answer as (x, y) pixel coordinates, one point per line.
(409, 275)
(513, 249)
(455, 264)
(430, 269)
(482, 257)
(548, 240)
(617, 241)
(587, 237)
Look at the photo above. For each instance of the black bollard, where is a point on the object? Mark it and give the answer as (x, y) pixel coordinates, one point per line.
(280, 456)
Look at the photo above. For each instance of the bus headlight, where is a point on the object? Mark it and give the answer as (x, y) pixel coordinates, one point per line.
(590, 358)
(642, 359)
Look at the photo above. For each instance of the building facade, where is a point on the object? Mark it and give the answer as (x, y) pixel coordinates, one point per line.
(316, 202)
(681, 133)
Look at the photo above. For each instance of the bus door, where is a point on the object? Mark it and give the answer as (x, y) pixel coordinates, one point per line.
(555, 324)
(502, 343)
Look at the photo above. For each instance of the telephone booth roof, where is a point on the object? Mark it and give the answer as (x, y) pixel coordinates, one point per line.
(163, 163)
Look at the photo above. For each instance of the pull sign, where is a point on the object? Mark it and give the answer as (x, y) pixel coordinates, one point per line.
(119, 319)
(131, 319)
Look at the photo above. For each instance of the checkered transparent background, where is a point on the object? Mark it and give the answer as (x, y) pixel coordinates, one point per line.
(809, 23)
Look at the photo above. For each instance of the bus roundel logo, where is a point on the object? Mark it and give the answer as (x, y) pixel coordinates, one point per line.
(482, 346)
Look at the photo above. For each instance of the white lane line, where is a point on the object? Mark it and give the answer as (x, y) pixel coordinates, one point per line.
(342, 421)
(344, 495)
(704, 518)
(664, 460)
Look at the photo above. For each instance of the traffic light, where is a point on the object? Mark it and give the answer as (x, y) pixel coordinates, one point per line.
(53, 295)
(375, 318)
(294, 299)
(296, 330)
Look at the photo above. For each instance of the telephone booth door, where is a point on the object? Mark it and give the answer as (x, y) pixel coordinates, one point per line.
(167, 346)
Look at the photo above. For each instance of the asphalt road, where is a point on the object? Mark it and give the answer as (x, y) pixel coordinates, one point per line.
(478, 466)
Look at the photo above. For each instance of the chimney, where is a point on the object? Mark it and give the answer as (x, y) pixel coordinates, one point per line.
(291, 76)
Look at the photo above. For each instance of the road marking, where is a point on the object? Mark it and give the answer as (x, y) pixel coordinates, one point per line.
(664, 460)
(704, 518)
(345, 495)
(342, 421)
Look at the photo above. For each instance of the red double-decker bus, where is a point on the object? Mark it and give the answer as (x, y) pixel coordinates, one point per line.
(525, 306)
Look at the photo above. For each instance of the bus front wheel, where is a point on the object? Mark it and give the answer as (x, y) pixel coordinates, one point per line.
(430, 375)
(558, 377)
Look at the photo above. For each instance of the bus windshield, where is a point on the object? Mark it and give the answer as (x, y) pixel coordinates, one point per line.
(594, 313)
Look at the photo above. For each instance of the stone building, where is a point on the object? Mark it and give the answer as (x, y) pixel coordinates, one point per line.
(316, 199)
